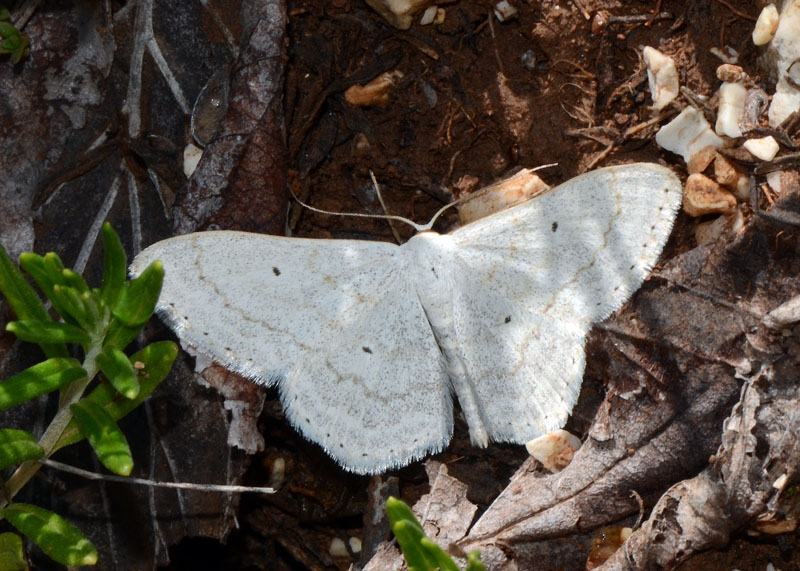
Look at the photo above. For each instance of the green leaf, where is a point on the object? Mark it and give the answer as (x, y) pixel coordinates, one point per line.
(398, 510)
(47, 332)
(20, 295)
(120, 335)
(102, 432)
(17, 446)
(7, 30)
(409, 535)
(39, 379)
(71, 305)
(474, 561)
(119, 371)
(115, 266)
(4, 13)
(442, 560)
(23, 300)
(59, 539)
(138, 298)
(152, 365)
(12, 556)
(46, 272)
(22, 50)
(75, 280)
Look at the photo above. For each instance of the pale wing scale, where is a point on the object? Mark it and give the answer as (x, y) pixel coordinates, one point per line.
(553, 265)
(313, 316)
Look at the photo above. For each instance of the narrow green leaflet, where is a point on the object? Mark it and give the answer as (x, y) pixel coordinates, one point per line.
(138, 298)
(17, 446)
(398, 510)
(46, 277)
(102, 432)
(20, 295)
(47, 332)
(58, 538)
(439, 555)
(71, 304)
(23, 300)
(115, 266)
(120, 335)
(422, 553)
(152, 364)
(12, 557)
(119, 371)
(408, 535)
(75, 280)
(474, 562)
(43, 378)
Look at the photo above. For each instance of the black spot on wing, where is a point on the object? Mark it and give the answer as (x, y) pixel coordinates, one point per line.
(507, 319)
(367, 350)
(276, 271)
(554, 227)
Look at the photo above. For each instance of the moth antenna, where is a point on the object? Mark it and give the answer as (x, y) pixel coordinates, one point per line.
(394, 217)
(414, 225)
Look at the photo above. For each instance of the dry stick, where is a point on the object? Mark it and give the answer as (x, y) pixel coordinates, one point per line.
(736, 10)
(629, 132)
(655, 13)
(395, 233)
(153, 484)
(494, 45)
(580, 7)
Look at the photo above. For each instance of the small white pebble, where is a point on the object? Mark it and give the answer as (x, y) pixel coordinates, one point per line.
(662, 77)
(766, 25)
(554, 450)
(504, 11)
(428, 16)
(731, 109)
(191, 157)
(338, 548)
(764, 148)
(688, 134)
(355, 545)
(726, 54)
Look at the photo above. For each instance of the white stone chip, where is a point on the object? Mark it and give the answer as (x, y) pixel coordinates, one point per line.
(764, 148)
(688, 134)
(504, 11)
(355, 545)
(522, 186)
(786, 46)
(399, 13)
(766, 25)
(662, 76)
(428, 16)
(731, 109)
(338, 548)
(191, 158)
(368, 342)
(554, 450)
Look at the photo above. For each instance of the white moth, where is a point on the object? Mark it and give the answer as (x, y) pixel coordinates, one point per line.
(368, 341)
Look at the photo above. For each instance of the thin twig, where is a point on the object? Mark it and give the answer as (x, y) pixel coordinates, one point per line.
(736, 10)
(153, 484)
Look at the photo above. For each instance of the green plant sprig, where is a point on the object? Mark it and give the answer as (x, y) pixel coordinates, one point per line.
(420, 552)
(102, 321)
(12, 40)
